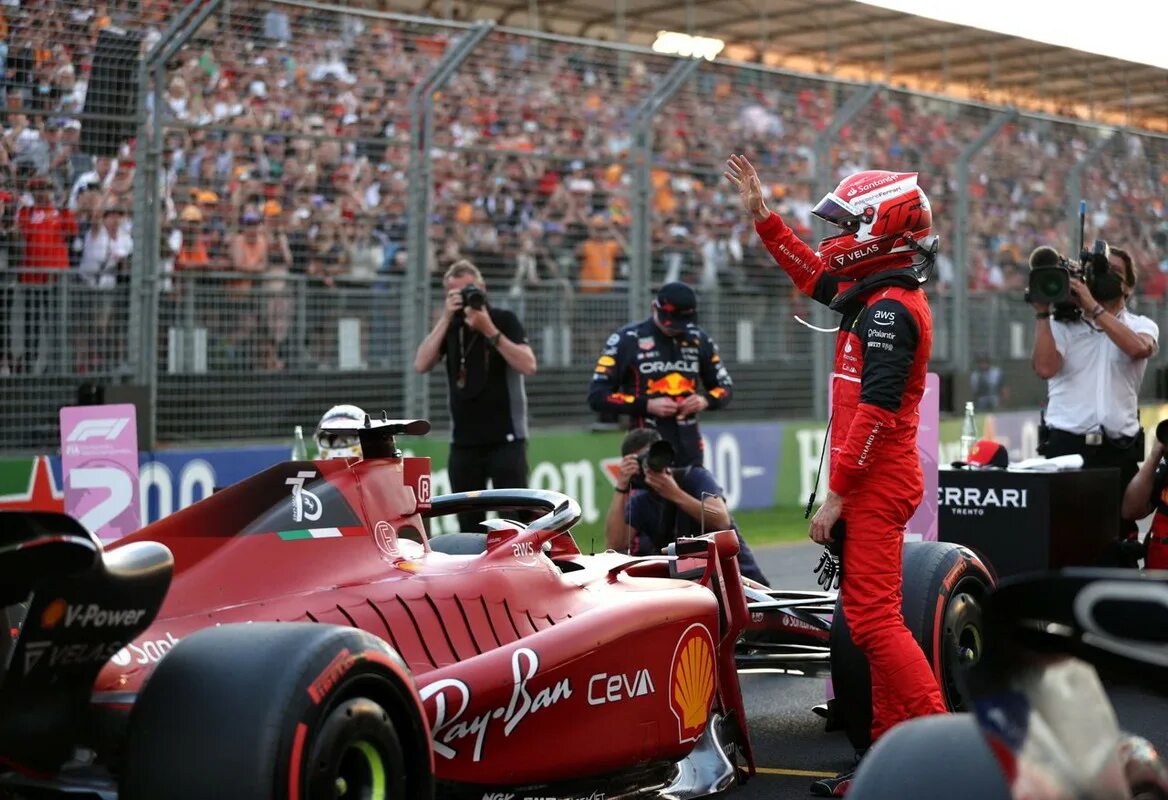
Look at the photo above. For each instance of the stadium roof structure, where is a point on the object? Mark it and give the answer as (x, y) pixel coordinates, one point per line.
(848, 39)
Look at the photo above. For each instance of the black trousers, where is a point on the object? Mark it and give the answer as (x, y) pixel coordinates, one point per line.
(470, 466)
(1061, 443)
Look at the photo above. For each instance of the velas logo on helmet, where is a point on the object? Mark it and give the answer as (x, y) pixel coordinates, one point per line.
(877, 212)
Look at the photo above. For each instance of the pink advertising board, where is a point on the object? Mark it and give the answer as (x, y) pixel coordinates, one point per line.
(99, 467)
(923, 524)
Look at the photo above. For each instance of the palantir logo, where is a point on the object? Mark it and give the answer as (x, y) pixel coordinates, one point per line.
(305, 504)
(107, 429)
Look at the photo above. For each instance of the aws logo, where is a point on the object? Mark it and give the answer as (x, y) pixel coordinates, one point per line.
(692, 682)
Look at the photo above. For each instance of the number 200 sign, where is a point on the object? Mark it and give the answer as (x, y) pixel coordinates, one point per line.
(99, 463)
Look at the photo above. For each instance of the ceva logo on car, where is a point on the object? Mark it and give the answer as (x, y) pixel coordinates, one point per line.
(89, 615)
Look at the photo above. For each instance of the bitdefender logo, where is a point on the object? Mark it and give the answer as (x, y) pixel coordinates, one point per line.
(969, 501)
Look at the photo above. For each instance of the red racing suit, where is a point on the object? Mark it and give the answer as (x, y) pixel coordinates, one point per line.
(1156, 556)
(881, 357)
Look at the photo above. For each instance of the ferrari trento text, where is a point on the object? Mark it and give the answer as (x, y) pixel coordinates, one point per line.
(452, 728)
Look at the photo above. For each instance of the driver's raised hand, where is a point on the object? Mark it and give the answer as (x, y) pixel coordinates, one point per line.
(741, 173)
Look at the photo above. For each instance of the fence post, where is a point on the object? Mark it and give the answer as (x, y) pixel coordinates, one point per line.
(149, 201)
(959, 327)
(416, 306)
(1075, 191)
(822, 344)
(640, 259)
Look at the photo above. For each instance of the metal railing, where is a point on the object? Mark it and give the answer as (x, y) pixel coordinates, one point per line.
(294, 178)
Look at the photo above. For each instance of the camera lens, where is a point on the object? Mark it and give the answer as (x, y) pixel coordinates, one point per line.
(660, 456)
(1162, 432)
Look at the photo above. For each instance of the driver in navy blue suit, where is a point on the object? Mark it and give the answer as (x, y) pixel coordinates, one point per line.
(652, 508)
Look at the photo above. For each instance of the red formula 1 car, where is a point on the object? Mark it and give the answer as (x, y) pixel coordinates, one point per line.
(155, 668)
(495, 664)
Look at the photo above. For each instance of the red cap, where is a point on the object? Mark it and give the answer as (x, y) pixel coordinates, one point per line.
(988, 453)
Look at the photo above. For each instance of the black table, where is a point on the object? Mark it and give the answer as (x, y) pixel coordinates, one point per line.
(1026, 521)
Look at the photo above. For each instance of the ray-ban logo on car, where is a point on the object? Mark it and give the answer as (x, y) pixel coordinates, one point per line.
(305, 504)
(107, 429)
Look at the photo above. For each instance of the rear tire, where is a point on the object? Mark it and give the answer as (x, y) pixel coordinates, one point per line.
(945, 586)
(257, 711)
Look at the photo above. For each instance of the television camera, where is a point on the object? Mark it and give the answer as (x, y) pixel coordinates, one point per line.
(1051, 274)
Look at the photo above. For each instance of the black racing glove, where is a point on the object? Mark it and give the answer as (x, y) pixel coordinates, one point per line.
(830, 566)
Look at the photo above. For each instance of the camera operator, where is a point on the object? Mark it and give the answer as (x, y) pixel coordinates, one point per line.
(651, 370)
(654, 502)
(487, 357)
(1146, 493)
(1094, 366)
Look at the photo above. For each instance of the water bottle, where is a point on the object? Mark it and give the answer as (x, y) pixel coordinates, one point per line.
(299, 448)
(968, 432)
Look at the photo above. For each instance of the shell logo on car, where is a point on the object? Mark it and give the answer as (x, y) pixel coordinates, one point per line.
(692, 682)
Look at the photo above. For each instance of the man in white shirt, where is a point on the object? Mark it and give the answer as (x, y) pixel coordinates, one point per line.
(103, 304)
(1094, 367)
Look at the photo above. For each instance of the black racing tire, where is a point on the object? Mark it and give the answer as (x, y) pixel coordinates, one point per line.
(945, 586)
(939, 756)
(459, 544)
(249, 711)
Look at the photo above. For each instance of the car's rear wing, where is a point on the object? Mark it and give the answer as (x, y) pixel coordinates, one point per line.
(83, 605)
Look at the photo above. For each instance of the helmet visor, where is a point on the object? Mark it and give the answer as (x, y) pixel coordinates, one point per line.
(326, 440)
(838, 212)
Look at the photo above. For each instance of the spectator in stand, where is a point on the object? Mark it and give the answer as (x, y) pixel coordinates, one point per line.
(101, 176)
(45, 231)
(6, 290)
(249, 258)
(598, 255)
(277, 311)
(105, 264)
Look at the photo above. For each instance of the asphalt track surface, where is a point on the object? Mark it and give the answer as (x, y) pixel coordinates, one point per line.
(791, 747)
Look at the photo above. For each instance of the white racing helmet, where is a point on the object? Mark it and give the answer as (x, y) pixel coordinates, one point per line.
(331, 444)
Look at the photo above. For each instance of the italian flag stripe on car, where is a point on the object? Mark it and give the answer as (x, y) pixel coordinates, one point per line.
(310, 533)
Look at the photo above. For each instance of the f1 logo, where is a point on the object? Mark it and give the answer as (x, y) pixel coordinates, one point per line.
(107, 429)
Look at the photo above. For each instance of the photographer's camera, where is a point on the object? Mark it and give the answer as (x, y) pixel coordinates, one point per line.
(473, 297)
(657, 458)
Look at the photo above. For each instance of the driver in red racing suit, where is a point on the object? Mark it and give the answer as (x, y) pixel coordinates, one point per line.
(881, 356)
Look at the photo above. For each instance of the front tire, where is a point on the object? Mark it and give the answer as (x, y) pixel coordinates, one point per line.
(945, 586)
(268, 710)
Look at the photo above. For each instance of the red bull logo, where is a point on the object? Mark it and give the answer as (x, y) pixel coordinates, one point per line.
(673, 384)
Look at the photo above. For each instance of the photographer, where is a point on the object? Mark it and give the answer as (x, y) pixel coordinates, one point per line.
(487, 357)
(1094, 364)
(1145, 494)
(654, 502)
